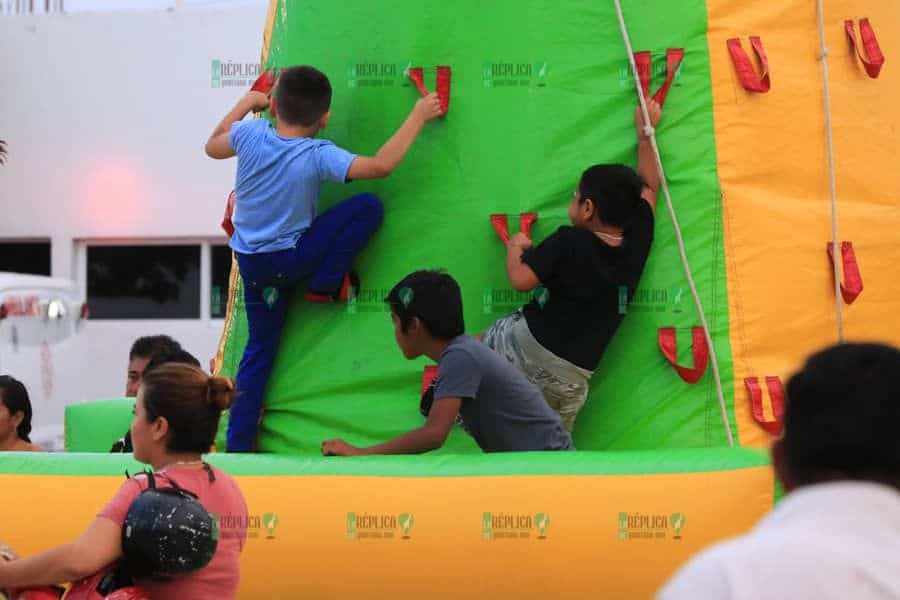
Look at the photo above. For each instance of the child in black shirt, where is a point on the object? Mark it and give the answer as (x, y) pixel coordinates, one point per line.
(588, 272)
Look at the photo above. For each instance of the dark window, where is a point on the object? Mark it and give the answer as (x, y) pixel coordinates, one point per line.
(32, 258)
(220, 272)
(144, 282)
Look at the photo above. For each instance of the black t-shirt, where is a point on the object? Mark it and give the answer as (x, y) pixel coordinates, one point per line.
(583, 276)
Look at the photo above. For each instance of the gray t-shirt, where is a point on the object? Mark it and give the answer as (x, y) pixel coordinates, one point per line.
(501, 409)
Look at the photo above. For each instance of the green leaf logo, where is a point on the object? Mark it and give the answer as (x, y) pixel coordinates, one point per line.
(270, 522)
(406, 296)
(542, 522)
(270, 296)
(677, 521)
(351, 525)
(406, 522)
(541, 295)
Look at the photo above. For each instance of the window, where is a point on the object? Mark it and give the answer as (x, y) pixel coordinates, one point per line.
(32, 258)
(144, 282)
(220, 272)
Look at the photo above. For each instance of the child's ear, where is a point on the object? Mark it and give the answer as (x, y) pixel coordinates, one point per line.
(272, 110)
(323, 122)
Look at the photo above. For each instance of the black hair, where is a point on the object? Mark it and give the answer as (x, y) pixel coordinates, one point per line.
(842, 414)
(615, 191)
(150, 345)
(190, 400)
(434, 298)
(180, 356)
(15, 397)
(303, 95)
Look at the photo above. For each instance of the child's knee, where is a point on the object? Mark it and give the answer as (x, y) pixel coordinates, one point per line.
(371, 205)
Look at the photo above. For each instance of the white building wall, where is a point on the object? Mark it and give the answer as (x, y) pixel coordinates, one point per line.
(105, 117)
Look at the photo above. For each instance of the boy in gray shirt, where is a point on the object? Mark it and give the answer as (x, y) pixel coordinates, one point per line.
(492, 399)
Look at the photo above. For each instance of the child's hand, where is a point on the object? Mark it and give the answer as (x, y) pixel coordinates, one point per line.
(338, 448)
(428, 107)
(655, 112)
(257, 101)
(7, 553)
(521, 240)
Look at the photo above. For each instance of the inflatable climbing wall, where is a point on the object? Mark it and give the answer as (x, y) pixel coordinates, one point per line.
(760, 176)
(539, 91)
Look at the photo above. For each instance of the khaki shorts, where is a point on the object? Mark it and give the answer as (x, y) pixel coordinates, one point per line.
(565, 386)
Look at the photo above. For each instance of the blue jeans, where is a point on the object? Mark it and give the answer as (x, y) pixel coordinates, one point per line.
(324, 253)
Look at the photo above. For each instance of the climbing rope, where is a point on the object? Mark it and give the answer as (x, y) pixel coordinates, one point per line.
(834, 221)
(651, 134)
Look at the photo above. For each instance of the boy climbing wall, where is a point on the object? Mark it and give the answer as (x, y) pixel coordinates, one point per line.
(279, 238)
(588, 271)
(492, 399)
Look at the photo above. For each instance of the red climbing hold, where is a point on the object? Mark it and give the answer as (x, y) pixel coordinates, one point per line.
(428, 377)
(869, 52)
(442, 83)
(265, 82)
(501, 226)
(417, 76)
(526, 220)
(674, 56)
(667, 343)
(852, 286)
(644, 63)
(771, 420)
(744, 68)
(442, 86)
(227, 225)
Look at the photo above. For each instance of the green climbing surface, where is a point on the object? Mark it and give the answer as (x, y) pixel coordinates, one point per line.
(540, 91)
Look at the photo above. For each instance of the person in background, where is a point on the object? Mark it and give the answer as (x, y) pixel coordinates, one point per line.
(15, 417)
(836, 535)
(142, 350)
(164, 354)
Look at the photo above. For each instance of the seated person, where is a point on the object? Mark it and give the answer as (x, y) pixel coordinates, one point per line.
(176, 418)
(495, 402)
(142, 350)
(15, 417)
(161, 357)
(836, 534)
(587, 271)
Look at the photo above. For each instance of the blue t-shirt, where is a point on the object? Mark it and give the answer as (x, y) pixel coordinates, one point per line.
(277, 186)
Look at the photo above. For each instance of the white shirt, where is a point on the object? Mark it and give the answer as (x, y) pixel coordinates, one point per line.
(837, 541)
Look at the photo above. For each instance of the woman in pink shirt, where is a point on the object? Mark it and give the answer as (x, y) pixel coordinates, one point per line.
(175, 421)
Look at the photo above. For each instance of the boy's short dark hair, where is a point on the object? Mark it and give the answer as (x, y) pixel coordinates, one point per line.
(151, 345)
(842, 415)
(180, 356)
(615, 191)
(303, 95)
(432, 296)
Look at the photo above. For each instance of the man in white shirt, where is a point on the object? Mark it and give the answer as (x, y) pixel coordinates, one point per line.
(836, 535)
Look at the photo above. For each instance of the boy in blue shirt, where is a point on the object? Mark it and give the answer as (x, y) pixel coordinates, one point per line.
(279, 239)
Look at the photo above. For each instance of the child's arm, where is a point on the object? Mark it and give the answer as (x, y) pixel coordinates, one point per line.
(646, 159)
(521, 276)
(393, 151)
(429, 437)
(218, 146)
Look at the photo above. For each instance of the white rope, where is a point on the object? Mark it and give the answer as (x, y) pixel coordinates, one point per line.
(836, 263)
(651, 134)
